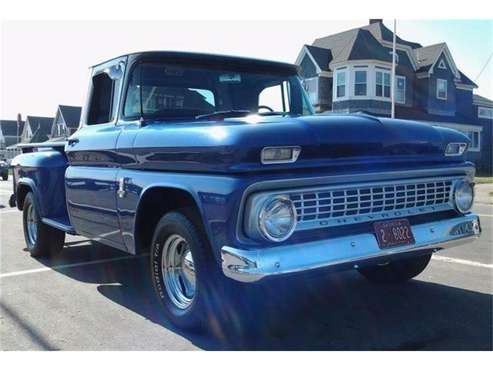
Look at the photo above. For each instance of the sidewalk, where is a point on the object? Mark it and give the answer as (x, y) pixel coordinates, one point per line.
(483, 193)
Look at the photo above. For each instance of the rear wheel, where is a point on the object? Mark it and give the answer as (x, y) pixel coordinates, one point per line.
(397, 271)
(41, 240)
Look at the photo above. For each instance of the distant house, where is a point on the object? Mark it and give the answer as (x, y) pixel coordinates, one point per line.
(37, 129)
(10, 132)
(351, 72)
(66, 121)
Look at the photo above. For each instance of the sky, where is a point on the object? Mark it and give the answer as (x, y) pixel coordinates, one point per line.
(45, 63)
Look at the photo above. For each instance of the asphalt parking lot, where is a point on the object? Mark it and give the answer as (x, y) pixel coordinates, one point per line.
(96, 298)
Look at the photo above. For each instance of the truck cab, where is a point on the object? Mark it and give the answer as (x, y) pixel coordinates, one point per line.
(218, 168)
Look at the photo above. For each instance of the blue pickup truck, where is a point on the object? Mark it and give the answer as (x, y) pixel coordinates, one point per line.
(218, 168)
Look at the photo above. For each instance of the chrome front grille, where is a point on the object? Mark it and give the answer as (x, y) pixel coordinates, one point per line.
(360, 203)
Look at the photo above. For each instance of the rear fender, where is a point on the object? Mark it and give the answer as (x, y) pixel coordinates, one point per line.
(43, 174)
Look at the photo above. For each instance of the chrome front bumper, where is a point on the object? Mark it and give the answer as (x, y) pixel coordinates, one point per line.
(349, 251)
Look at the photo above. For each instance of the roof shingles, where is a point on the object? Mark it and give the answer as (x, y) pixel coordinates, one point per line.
(40, 128)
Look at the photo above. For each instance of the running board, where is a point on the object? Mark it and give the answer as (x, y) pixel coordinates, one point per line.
(60, 224)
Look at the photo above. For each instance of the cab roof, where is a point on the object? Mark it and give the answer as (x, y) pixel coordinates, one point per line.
(205, 57)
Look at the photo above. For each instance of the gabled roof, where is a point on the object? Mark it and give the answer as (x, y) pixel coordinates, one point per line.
(321, 56)
(367, 42)
(482, 101)
(9, 127)
(340, 44)
(70, 114)
(428, 55)
(382, 33)
(466, 80)
(40, 127)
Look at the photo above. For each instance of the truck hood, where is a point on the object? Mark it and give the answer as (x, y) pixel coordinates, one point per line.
(234, 145)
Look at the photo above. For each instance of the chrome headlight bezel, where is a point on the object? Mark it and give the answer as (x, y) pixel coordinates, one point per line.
(262, 217)
(463, 185)
(256, 216)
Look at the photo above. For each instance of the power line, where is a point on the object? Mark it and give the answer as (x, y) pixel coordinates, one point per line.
(484, 67)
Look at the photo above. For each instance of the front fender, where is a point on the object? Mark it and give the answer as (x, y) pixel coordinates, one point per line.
(216, 197)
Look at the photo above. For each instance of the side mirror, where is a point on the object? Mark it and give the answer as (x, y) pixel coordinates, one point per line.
(115, 72)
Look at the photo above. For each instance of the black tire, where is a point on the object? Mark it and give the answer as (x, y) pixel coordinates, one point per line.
(214, 306)
(5, 177)
(397, 271)
(47, 241)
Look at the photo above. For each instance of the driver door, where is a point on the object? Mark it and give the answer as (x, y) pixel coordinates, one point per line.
(90, 179)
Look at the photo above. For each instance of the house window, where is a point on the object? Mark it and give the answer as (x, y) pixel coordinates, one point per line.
(382, 87)
(400, 89)
(441, 89)
(340, 84)
(360, 83)
(486, 113)
(475, 137)
(442, 65)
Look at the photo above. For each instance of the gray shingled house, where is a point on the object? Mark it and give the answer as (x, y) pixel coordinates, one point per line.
(351, 72)
(10, 132)
(36, 129)
(66, 121)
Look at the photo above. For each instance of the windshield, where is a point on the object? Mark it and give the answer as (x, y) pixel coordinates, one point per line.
(163, 90)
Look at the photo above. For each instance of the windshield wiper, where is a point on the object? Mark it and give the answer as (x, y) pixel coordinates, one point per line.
(274, 113)
(225, 114)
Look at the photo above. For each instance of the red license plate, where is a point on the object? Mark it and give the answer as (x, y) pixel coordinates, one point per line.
(393, 233)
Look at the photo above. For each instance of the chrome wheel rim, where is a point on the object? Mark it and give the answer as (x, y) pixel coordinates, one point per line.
(178, 271)
(32, 226)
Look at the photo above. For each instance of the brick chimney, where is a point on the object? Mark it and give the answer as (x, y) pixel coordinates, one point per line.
(376, 21)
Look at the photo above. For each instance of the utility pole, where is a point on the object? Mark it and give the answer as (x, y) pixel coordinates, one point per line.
(392, 78)
(19, 120)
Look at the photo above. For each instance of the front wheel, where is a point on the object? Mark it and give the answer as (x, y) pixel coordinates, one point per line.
(182, 270)
(397, 271)
(41, 240)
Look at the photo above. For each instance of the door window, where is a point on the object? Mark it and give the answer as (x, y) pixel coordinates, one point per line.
(101, 105)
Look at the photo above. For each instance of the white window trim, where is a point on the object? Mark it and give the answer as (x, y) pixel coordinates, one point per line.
(471, 148)
(371, 67)
(442, 65)
(346, 82)
(358, 69)
(446, 89)
(383, 71)
(486, 109)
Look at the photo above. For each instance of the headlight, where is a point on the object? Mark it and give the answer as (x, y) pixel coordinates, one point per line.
(277, 218)
(463, 196)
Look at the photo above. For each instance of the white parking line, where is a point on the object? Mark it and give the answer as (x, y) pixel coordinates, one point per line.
(461, 261)
(70, 265)
(483, 215)
(9, 211)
